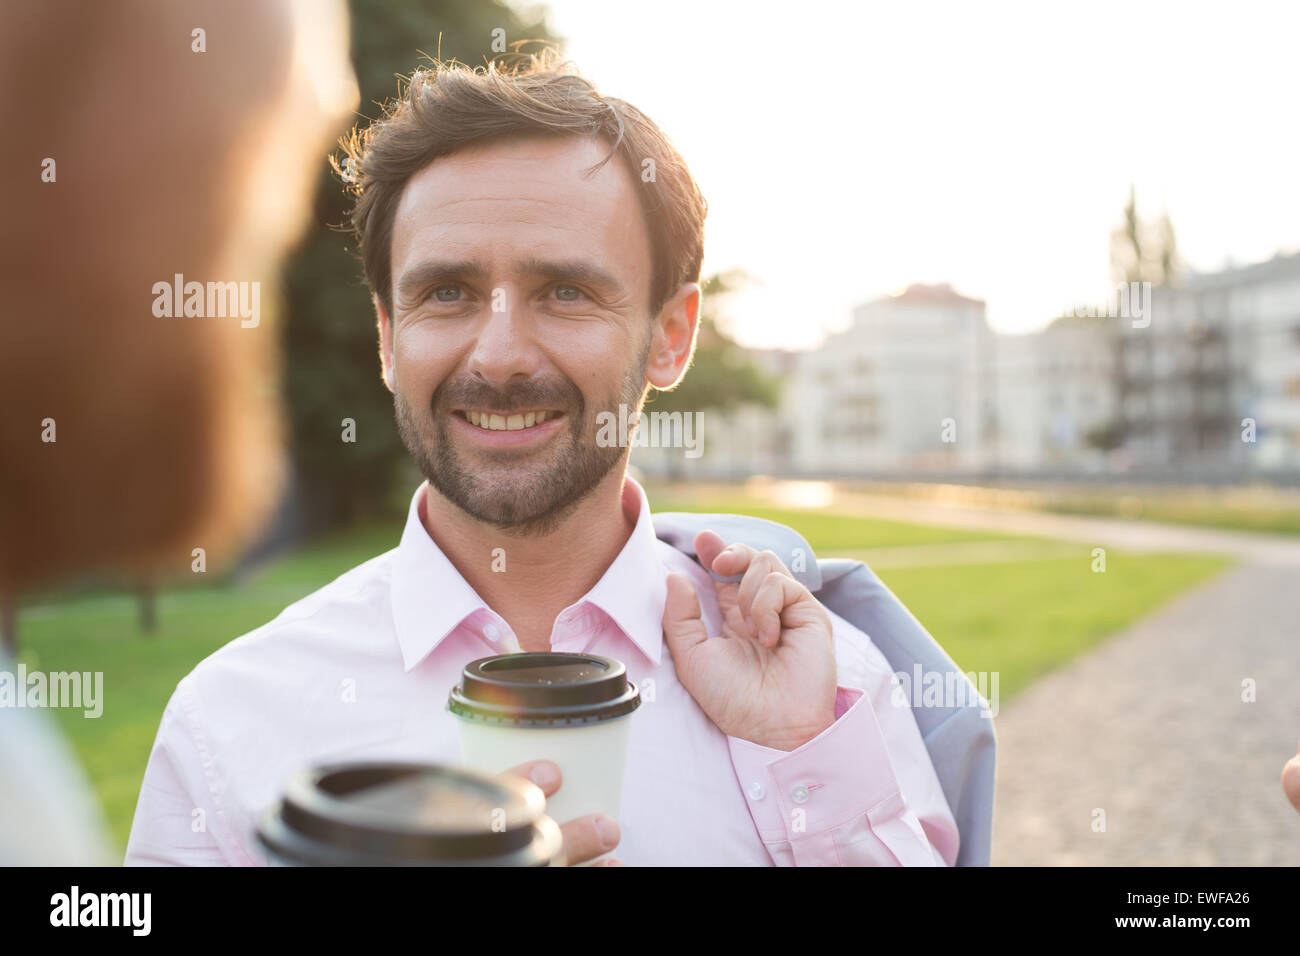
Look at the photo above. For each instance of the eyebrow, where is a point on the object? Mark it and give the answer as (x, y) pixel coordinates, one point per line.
(424, 274)
(430, 271)
(573, 270)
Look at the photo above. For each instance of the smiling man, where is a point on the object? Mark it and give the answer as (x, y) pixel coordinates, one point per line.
(534, 251)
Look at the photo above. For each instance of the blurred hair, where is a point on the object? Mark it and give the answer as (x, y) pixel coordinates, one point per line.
(451, 106)
(169, 161)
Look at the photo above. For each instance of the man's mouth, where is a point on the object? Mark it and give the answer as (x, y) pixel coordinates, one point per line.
(506, 421)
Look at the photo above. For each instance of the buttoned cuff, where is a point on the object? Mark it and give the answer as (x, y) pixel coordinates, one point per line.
(841, 775)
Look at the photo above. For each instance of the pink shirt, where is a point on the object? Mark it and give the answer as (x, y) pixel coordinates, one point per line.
(361, 669)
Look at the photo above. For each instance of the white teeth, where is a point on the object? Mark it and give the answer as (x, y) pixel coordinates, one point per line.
(506, 422)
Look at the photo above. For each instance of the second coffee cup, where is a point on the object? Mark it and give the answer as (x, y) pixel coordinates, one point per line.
(572, 709)
(374, 813)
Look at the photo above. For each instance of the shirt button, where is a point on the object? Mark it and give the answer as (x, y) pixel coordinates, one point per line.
(799, 794)
(491, 632)
(756, 791)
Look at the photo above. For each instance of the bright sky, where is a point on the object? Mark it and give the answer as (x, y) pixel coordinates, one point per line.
(848, 149)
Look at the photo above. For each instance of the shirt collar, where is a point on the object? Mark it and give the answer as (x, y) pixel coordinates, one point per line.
(430, 599)
(632, 591)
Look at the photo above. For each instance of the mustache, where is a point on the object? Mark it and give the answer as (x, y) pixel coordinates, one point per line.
(561, 395)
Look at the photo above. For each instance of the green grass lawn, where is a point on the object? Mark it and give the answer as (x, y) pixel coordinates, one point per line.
(1204, 511)
(1020, 618)
(1025, 618)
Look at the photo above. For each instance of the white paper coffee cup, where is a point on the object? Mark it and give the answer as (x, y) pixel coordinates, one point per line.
(573, 709)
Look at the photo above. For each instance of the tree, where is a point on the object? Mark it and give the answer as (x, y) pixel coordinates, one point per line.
(1143, 251)
(1105, 437)
(1139, 252)
(332, 347)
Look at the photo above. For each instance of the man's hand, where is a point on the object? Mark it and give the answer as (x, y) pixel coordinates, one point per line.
(584, 838)
(1291, 779)
(770, 677)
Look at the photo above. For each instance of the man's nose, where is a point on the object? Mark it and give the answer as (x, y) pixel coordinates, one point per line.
(504, 347)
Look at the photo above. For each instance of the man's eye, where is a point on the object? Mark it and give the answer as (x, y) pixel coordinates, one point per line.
(447, 293)
(567, 293)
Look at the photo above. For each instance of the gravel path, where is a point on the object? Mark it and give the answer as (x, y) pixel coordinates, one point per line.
(1151, 728)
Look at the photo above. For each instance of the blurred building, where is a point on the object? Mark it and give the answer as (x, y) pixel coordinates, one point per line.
(1220, 348)
(1056, 400)
(907, 387)
(1162, 394)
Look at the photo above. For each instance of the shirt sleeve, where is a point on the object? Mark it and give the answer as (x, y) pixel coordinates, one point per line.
(177, 817)
(861, 793)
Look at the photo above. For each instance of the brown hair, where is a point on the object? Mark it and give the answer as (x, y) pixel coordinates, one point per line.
(451, 106)
(168, 429)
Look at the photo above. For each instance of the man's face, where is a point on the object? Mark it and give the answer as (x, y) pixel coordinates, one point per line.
(520, 312)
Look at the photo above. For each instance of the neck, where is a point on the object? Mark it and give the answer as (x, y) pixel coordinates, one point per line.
(529, 580)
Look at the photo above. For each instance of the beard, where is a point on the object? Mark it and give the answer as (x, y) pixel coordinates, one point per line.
(524, 491)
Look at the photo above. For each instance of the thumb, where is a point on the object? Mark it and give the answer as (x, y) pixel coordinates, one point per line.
(1291, 781)
(683, 623)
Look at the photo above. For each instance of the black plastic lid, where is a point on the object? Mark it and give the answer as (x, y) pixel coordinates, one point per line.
(543, 690)
(406, 814)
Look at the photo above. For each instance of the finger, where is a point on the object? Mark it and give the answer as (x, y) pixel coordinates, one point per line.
(683, 621)
(776, 593)
(1291, 781)
(734, 623)
(611, 861)
(762, 564)
(545, 773)
(725, 560)
(708, 545)
(588, 837)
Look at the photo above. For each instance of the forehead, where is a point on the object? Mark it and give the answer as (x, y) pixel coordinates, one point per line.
(525, 197)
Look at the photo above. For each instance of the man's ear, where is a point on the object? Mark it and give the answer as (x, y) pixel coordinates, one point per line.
(385, 345)
(673, 341)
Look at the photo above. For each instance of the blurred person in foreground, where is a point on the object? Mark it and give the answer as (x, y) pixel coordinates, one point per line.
(534, 252)
(158, 140)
